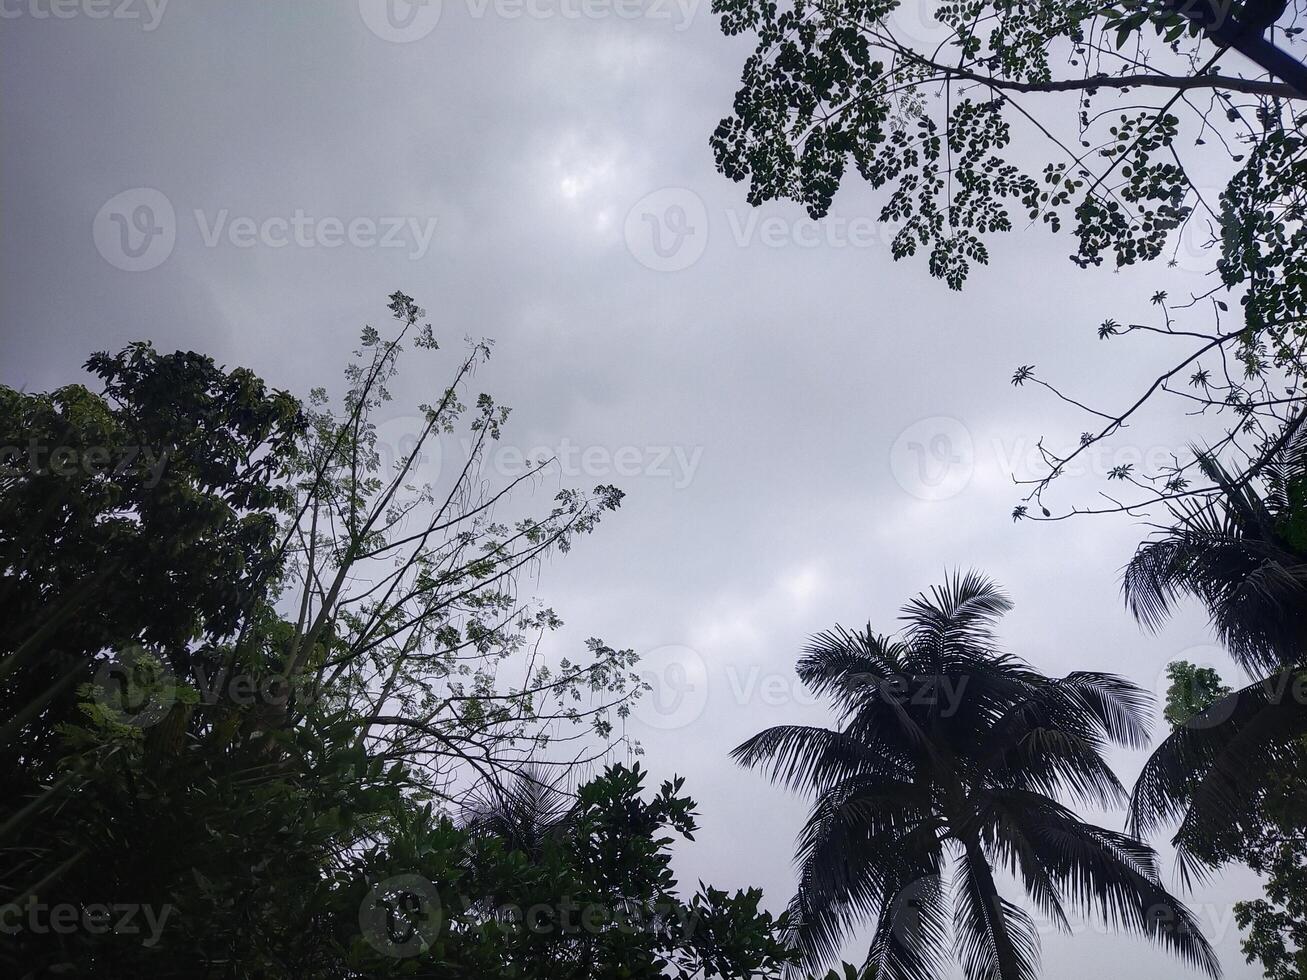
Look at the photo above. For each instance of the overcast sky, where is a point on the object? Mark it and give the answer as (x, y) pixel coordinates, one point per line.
(808, 432)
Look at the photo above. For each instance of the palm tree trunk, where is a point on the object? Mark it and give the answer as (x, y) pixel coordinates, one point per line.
(982, 881)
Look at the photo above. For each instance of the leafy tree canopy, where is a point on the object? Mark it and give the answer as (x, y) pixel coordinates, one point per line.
(1129, 123)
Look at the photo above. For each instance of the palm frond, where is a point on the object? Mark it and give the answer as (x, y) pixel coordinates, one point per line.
(1232, 556)
(1102, 871)
(524, 813)
(809, 758)
(860, 843)
(911, 937)
(960, 614)
(995, 939)
(1205, 763)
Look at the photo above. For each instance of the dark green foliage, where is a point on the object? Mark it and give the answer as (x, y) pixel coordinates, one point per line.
(229, 788)
(935, 103)
(831, 86)
(1276, 926)
(1232, 770)
(596, 898)
(1239, 555)
(146, 513)
(1271, 840)
(1192, 690)
(1263, 232)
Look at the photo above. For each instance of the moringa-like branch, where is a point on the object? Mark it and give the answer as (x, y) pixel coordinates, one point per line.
(1229, 83)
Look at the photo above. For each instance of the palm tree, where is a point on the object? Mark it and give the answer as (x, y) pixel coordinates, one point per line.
(1243, 554)
(946, 764)
(524, 814)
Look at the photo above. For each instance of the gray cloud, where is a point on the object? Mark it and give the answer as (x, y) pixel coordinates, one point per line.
(798, 361)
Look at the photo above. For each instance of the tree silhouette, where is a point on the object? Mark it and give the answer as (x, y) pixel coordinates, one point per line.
(947, 764)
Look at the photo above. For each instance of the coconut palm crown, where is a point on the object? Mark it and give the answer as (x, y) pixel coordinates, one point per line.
(1242, 552)
(948, 768)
